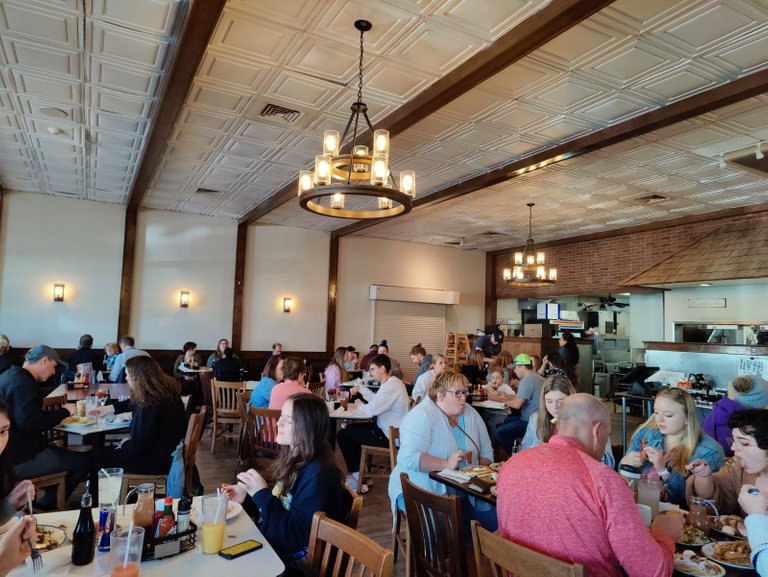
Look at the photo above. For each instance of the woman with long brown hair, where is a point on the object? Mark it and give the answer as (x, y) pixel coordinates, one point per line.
(158, 420)
(307, 479)
(335, 373)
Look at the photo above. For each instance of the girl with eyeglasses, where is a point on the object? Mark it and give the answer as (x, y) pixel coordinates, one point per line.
(749, 442)
(672, 439)
(443, 432)
(307, 479)
(543, 423)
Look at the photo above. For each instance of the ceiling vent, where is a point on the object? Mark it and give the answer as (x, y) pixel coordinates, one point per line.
(453, 242)
(276, 112)
(652, 199)
(208, 192)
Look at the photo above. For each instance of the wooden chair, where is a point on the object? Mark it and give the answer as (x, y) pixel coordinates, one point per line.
(225, 411)
(317, 389)
(55, 438)
(243, 449)
(499, 557)
(353, 503)
(370, 470)
(57, 480)
(436, 533)
(335, 549)
(399, 542)
(263, 431)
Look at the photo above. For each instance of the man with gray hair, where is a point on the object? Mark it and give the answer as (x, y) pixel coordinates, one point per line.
(560, 500)
(127, 346)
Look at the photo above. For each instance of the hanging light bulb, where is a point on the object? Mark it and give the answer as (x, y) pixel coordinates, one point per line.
(322, 170)
(385, 202)
(337, 201)
(759, 151)
(306, 181)
(331, 143)
(507, 274)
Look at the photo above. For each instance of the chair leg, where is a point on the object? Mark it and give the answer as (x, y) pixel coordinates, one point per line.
(214, 432)
(61, 495)
(395, 535)
(361, 470)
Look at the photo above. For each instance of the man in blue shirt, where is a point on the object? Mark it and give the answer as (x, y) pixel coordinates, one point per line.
(526, 401)
(127, 347)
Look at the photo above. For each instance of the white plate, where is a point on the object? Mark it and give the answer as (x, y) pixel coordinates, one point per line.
(233, 510)
(709, 548)
(57, 537)
(691, 571)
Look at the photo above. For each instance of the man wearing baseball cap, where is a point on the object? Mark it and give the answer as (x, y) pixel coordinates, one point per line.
(28, 447)
(526, 401)
(490, 344)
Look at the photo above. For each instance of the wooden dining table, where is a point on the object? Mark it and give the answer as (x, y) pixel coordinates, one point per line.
(264, 562)
(463, 487)
(80, 392)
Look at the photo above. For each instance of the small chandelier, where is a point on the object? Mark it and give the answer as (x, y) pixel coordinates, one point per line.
(529, 269)
(360, 173)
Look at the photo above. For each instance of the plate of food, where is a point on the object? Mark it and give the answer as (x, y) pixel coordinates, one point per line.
(496, 467)
(478, 470)
(49, 538)
(689, 563)
(729, 525)
(693, 537)
(74, 421)
(731, 553)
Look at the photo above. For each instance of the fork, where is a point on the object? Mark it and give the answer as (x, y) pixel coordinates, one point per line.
(37, 558)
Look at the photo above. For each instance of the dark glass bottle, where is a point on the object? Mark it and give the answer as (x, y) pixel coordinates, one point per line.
(84, 536)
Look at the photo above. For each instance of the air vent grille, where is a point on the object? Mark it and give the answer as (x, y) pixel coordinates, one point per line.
(208, 192)
(287, 115)
(652, 198)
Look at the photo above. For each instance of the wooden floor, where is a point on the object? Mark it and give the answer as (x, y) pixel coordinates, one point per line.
(375, 518)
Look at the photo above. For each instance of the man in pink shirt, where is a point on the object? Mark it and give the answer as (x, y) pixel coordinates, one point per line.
(560, 500)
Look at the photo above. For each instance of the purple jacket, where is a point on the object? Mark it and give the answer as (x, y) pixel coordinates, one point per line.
(716, 424)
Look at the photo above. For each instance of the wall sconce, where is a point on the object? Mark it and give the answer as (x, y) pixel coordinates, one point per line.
(58, 293)
(184, 299)
(287, 304)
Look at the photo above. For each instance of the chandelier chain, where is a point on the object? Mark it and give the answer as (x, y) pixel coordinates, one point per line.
(360, 69)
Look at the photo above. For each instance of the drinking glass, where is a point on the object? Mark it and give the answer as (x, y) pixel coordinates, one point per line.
(110, 483)
(119, 564)
(648, 493)
(214, 520)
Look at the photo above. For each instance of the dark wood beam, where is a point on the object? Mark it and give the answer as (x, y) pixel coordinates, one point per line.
(707, 101)
(655, 225)
(237, 299)
(490, 290)
(201, 21)
(126, 278)
(540, 28)
(333, 280)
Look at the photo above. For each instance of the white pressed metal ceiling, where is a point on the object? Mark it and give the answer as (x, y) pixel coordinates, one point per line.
(105, 81)
(632, 57)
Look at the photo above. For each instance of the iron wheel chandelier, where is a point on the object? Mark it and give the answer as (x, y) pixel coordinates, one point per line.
(529, 269)
(358, 173)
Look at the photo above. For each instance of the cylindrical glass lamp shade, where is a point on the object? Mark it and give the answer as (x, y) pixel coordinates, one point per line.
(530, 259)
(408, 183)
(337, 201)
(306, 181)
(379, 170)
(518, 258)
(517, 272)
(322, 170)
(381, 142)
(541, 272)
(384, 203)
(540, 257)
(553, 274)
(331, 143)
(360, 150)
(507, 274)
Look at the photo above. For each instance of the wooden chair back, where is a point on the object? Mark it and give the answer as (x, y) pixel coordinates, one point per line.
(335, 550)
(224, 397)
(436, 532)
(317, 389)
(262, 428)
(56, 438)
(394, 446)
(195, 427)
(496, 556)
(353, 503)
(243, 449)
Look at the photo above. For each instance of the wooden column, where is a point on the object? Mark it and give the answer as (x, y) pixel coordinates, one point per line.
(333, 278)
(490, 289)
(237, 300)
(126, 280)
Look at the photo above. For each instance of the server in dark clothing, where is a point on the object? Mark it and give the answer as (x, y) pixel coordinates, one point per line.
(158, 420)
(28, 447)
(227, 368)
(308, 480)
(84, 355)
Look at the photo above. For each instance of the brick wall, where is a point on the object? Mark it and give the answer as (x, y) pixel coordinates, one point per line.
(597, 266)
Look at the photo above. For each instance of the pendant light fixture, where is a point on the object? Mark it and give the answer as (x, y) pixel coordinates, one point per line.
(530, 268)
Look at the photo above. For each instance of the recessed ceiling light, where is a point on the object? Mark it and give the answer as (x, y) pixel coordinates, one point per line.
(704, 284)
(52, 112)
(55, 130)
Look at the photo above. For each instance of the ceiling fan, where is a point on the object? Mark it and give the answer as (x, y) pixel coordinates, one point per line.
(604, 304)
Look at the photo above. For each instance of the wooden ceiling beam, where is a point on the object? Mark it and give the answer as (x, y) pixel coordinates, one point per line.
(200, 24)
(551, 21)
(701, 103)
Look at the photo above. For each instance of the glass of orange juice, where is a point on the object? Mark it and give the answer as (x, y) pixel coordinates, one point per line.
(214, 520)
(120, 564)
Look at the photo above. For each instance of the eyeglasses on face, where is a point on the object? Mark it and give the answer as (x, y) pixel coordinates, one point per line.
(458, 393)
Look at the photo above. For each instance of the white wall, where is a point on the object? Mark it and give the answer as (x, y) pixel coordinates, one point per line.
(46, 240)
(292, 262)
(646, 321)
(364, 261)
(743, 303)
(176, 252)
